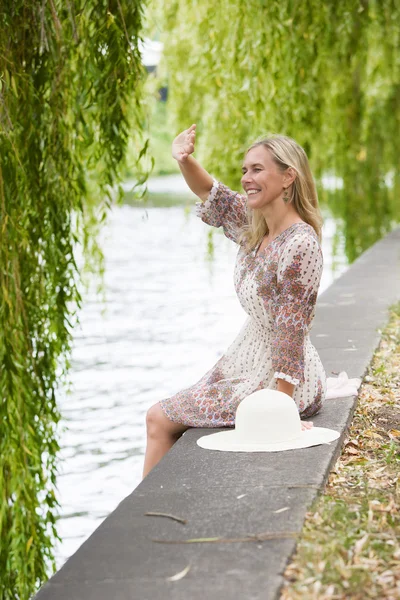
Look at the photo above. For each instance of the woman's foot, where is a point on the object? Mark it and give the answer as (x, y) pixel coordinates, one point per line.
(306, 425)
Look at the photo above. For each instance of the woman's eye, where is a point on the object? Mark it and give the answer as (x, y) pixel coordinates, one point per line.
(257, 169)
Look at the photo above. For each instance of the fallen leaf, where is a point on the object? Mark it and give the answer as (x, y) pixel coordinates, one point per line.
(386, 578)
(359, 545)
(180, 575)
(159, 514)
(372, 434)
(395, 432)
(351, 450)
(353, 442)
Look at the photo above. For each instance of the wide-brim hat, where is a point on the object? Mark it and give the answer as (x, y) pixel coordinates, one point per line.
(267, 421)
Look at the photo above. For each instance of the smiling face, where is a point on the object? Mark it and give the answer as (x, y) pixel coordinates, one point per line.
(262, 180)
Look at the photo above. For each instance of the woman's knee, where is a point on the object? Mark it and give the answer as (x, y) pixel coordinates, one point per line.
(159, 425)
(153, 421)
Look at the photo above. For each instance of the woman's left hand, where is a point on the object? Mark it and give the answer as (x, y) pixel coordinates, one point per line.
(306, 425)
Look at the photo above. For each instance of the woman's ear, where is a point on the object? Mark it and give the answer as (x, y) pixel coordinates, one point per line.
(290, 176)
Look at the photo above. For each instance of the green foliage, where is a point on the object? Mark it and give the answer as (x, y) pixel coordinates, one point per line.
(70, 91)
(160, 137)
(325, 73)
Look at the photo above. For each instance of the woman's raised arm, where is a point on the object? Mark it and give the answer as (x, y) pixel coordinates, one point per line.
(197, 178)
(219, 206)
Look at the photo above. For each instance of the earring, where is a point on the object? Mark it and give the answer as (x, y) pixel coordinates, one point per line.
(285, 195)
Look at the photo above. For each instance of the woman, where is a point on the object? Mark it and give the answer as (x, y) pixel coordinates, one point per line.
(277, 226)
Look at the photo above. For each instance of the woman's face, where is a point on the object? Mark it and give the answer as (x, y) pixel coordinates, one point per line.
(262, 180)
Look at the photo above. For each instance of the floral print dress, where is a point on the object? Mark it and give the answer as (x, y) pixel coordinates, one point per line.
(278, 290)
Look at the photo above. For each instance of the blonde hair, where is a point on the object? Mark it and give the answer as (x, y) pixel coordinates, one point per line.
(286, 153)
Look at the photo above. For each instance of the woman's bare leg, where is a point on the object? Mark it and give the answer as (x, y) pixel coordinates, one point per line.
(162, 433)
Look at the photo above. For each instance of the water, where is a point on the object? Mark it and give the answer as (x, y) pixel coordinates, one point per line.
(170, 314)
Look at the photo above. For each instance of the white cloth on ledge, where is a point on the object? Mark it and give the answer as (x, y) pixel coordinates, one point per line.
(342, 386)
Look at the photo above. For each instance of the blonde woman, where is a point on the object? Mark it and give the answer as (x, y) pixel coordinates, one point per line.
(276, 224)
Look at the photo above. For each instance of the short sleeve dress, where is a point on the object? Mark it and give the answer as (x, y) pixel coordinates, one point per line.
(278, 291)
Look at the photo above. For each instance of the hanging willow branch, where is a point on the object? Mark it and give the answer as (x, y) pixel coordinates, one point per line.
(325, 73)
(70, 90)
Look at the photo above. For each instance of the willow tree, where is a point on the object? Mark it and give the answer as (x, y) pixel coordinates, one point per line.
(325, 73)
(70, 90)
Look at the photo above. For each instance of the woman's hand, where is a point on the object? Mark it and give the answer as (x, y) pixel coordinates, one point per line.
(183, 144)
(306, 425)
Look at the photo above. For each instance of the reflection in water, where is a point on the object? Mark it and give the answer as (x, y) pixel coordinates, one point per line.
(171, 312)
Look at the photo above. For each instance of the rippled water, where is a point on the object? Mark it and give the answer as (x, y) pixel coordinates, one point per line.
(170, 313)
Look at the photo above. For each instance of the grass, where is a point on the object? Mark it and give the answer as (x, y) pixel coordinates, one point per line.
(350, 544)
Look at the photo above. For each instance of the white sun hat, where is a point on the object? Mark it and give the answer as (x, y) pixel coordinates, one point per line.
(267, 421)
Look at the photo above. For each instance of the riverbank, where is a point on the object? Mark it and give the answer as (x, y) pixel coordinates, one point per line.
(350, 544)
(253, 506)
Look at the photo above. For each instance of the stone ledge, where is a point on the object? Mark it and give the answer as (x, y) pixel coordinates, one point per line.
(234, 494)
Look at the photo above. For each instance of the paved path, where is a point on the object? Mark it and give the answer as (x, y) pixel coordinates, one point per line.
(233, 494)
